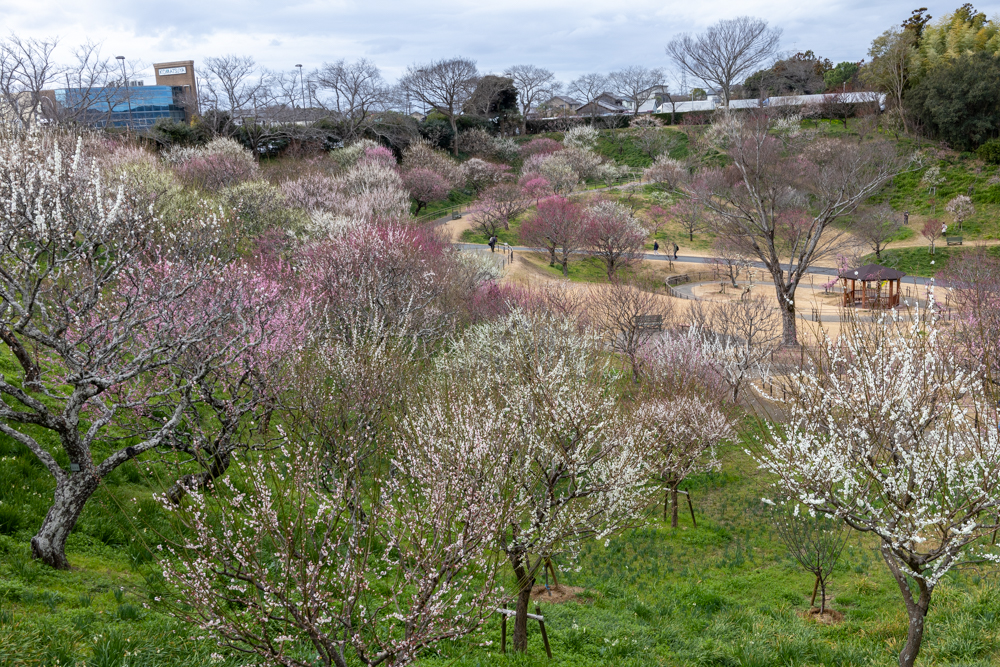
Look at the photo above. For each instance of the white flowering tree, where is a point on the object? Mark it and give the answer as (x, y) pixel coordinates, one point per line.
(323, 557)
(119, 322)
(687, 429)
(578, 463)
(889, 435)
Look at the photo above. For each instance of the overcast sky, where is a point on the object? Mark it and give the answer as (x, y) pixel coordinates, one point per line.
(570, 37)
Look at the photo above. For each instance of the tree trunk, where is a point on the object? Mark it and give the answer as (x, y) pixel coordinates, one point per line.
(552, 256)
(673, 506)
(916, 610)
(49, 543)
(200, 481)
(454, 133)
(524, 584)
(565, 268)
(788, 325)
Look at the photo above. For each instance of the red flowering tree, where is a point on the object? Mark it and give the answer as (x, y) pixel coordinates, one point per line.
(557, 227)
(932, 230)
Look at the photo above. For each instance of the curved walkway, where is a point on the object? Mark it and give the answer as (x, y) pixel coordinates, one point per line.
(686, 259)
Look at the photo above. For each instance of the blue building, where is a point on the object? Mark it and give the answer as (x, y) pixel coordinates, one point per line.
(136, 106)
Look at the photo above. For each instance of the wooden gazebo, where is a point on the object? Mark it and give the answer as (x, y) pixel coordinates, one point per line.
(871, 286)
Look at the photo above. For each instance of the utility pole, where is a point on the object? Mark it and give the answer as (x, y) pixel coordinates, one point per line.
(128, 101)
(302, 87)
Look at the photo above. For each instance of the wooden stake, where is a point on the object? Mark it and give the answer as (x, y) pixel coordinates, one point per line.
(545, 636)
(691, 507)
(503, 633)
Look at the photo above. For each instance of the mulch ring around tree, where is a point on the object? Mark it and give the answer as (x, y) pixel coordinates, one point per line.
(829, 617)
(555, 594)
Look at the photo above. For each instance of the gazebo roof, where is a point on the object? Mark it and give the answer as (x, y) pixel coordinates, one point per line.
(871, 272)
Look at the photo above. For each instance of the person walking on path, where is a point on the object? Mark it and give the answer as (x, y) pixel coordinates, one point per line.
(656, 247)
(676, 248)
(493, 243)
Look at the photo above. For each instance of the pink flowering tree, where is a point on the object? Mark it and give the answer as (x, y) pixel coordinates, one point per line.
(890, 436)
(974, 292)
(425, 186)
(380, 155)
(539, 146)
(557, 227)
(535, 186)
(613, 235)
(97, 298)
(498, 206)
(932, 230)
(237, 373)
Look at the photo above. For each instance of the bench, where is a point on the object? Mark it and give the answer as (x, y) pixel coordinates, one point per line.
(649, 322)
(954, 240)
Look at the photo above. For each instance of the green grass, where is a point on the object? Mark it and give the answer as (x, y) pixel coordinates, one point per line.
(620, 146)
(727, 593)
(455, 198)
(917, 261)
(724, 593)
(580, 269)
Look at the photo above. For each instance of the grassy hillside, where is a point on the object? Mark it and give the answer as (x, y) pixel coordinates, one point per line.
(727, 593)
(724, 593)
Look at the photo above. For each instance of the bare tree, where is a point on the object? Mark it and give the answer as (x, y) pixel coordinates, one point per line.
(26, 69)
(877, 226)
(628, 318)
(587, 88)
(534, 86)
(690, 215)
(726, 52)
(234, 84)
(444, 85)
(634, 83)
(94, 87)
(761, 202)
(356, 89)
(743, 335)
(815, 540)
(729, 258)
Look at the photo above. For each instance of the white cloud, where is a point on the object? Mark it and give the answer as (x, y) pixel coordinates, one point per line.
(569, 37)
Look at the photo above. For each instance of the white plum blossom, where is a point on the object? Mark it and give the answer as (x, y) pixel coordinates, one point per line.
(891, 436)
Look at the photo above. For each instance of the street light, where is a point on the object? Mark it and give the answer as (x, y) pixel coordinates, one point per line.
(302, 87)
(128, 102)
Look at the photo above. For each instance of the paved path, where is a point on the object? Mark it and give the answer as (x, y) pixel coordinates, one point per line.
(817, 270)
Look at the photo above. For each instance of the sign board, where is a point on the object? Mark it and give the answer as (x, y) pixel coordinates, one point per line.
(167, 71)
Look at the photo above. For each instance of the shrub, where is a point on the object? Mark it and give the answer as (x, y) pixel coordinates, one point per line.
(990, 151)
(221, 163)
(421, 155)
(258, 204)
(540, 146)
(480, 174)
